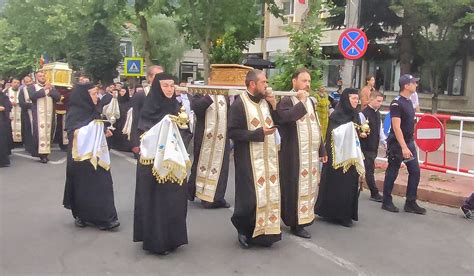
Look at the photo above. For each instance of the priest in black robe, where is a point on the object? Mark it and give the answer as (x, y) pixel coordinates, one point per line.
(301, 150)
(5, 130)
(138, 99)
(339, 187)
(160, 208)
(257, 192)
(210, 171)
(27, 116)
(88, 190)
(43, 96)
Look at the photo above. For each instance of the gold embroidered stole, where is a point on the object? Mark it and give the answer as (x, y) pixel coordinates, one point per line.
(28, 110)
(309, 140)
(212, 149)
(44, 114)
(264, 161)
(15, 114)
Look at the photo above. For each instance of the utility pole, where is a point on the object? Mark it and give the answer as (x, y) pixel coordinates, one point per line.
(352, 21)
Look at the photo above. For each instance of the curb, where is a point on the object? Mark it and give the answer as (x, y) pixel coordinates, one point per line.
(427, 193)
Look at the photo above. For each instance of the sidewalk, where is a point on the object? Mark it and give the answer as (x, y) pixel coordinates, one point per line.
(439, 188)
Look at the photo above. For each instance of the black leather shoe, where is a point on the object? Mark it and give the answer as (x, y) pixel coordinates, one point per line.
(412, 207)
(346, 223)
(390, 207)
(163, 253)
(80, 223)
(215, 205)
(301, 232)
(377, 198)
(44, 160)
(110, 225)
(243, 241)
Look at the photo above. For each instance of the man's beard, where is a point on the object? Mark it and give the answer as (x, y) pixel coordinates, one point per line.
(261, 96)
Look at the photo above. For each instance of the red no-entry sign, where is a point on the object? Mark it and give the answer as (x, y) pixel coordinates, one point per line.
(429, 133)
(353, 43)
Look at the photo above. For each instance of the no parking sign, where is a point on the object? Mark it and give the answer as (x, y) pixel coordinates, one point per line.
(353, 43)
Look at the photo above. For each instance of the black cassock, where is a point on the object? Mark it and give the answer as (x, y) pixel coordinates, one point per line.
(119, 141)
(244, 215)
(199, 104)
(338, 197)
(160, 208)
(138, 99)
(26, 127)
(5, 130)
(88, 192)
(289, 159)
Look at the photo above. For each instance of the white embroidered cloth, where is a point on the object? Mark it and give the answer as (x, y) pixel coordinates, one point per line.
(346, 149)
(90, 143)
(163, 147)
(127, 127)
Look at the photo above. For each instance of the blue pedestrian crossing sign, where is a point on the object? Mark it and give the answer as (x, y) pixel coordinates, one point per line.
(133, 67)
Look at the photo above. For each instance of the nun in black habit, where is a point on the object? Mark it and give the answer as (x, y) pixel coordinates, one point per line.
(88, 191)
(160, 208)
(339, 191)
(119, 141)
(5, 130)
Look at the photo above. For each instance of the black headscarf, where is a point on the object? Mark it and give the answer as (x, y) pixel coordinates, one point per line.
(82, 109)
(344, 112)
(125, 98)
(157, 105)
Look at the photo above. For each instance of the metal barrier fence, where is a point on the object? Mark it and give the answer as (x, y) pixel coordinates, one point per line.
(444, 168)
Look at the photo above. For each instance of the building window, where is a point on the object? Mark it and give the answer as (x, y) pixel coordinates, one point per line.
(450, 82)
(288, 7)
(457, 78)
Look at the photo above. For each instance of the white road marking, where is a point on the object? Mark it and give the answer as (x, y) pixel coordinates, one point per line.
(311, 246)
(126, 157)
(328, 255)
(60, 161)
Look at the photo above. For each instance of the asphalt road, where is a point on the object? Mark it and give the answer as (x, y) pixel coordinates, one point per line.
(38, 236)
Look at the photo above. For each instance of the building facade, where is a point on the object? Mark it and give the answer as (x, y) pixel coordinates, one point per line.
(458, 83)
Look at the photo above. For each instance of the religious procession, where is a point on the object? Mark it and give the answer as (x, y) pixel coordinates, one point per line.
(232, 166)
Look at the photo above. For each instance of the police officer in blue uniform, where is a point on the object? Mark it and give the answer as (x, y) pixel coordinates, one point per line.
(401, 148)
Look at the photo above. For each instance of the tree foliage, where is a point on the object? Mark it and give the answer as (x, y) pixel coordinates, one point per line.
(304, 50)
(55, 28)
(205, 21)
(166, 43)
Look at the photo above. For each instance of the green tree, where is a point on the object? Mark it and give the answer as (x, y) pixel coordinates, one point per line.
(166, 43)
(443, 27)
(57, 27)
(227, 50)
(15, 57)
(102, 54)
(304, 50)
(205, 21)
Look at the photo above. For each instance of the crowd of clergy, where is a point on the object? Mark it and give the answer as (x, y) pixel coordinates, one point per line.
(296, 158)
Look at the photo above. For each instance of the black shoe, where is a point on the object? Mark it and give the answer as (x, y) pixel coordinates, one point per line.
(80, 223)
(300, 232)
(215, 205)
(377, 197)
(467, 213)
(163, 253)
(243, 241)
(110, 225)
(43, 160)
(346, 222)
(390, 207)
(412, 207)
